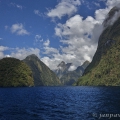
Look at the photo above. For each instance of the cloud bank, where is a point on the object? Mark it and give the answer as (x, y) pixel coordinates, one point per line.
(19, 53)
(79, 36)
(22, 53)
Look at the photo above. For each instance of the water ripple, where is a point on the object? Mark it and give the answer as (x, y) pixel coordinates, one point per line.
(58, 103)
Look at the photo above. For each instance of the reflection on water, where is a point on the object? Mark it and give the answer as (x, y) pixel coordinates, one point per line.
(59, 103)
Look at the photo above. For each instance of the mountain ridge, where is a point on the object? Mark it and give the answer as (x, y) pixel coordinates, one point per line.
(104, 69)
(69, 77)
(42, 75)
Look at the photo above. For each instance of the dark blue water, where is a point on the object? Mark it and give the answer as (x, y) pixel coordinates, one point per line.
(59, 103)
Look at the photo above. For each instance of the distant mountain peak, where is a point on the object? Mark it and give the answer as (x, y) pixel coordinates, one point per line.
(68, 77)
(79, 68)
(42, 74)
(69, 64)
(85, 64)
(62, 68)
(32, 55)
(61, 64)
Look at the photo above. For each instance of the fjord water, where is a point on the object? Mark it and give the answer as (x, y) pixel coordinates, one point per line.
(58, 103)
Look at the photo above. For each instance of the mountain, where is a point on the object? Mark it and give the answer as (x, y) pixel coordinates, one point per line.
(105, 67)
(15, 73)
(42, 75)
(112, 16)
(84, 65)
(69, 77)
(62, 69)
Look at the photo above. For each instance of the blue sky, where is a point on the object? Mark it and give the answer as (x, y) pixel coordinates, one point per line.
(54, 30)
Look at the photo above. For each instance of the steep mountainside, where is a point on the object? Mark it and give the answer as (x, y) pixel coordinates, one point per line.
(105, 66)
(72, 76)
(14, 73)
(85, 64)
(42, 75)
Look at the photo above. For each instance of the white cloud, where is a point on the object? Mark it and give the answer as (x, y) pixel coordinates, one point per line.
(16, 5)
(19, 6)
(75, 27)
(47, 49)
(46, 43)
(38, 41)
(72, 67)
(37, 12)
(112, 3)
(96, 4)
(50, 50)
(37, 38)
(2, 49)
(19, 29)
(1, 55)
(51, 63)
(76, 34)
(101, 14)
(1, 38)
(7, 56)
(97, 30)
(64, 7)
(79, 35)
(23, 52)
(110, 21)
(19, 53)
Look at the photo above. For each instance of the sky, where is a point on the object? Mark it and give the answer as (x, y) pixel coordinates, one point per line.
(54, 30)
